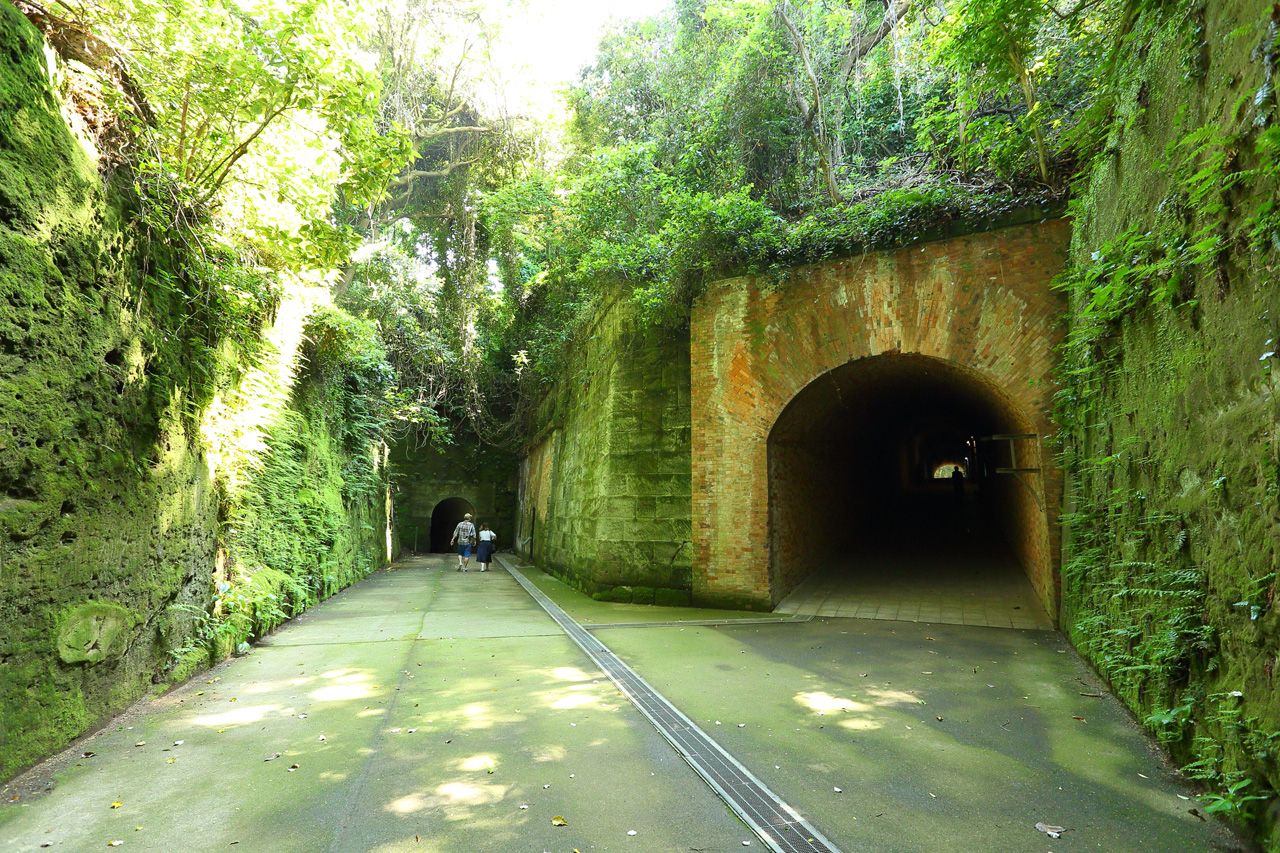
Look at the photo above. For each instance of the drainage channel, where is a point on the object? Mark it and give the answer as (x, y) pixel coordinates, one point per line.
(777, 824)
(683, 623)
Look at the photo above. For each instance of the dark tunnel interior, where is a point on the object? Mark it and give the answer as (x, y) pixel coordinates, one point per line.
(444, 518)
(860, 464)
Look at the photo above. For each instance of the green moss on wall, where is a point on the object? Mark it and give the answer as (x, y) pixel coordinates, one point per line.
(1170, 405)
(605, 485)
(114, 533)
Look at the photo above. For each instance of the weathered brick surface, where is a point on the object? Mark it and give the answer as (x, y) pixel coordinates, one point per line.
(981, 303)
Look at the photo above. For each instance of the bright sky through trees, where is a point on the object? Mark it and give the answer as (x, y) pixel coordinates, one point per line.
(543, 43)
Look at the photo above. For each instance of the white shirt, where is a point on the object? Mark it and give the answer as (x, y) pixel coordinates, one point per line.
(488, 535)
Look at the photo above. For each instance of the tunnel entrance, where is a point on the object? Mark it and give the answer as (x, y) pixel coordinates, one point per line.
(902, 487)
(444, 518)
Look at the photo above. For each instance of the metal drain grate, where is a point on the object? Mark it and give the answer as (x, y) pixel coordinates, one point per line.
(777, 824)
(692, 623)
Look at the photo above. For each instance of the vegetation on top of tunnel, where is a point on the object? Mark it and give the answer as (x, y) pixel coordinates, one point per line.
(751, 137)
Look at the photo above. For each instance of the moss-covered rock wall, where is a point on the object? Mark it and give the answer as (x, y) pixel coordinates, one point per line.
(605, 482)
(128, 555)
(1169, 408)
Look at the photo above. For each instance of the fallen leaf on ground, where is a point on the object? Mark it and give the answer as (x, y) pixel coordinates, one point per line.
(1050, 830)
(272, 757)
(88, 754)
(179, 742)
(524, 806)
(117, 804)
(292, 767)
(838, 790)
(115, 843)
(141, 743)
(631, 832)
(559, 821)
(1078, 717)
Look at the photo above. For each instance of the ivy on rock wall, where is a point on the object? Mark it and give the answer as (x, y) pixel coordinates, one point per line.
(1169, 402)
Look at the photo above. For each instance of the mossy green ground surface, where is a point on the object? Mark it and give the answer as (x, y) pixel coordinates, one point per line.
(488, 682)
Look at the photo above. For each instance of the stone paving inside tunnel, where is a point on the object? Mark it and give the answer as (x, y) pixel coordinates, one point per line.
(426, 709)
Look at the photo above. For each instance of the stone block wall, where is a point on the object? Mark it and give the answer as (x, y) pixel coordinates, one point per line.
(604, 485)
(422, 477)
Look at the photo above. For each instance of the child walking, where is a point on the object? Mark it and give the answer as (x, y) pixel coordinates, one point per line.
(484, 551)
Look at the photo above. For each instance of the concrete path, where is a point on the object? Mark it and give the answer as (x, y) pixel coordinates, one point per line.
(424, 707)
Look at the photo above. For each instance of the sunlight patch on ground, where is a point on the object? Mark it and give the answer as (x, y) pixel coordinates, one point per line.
(235, 717)
(449, 796)
(345, 685)
(888, 698)
(578, 696)
(822, 703)
(272, 686)
(570, 673)
(860, 724)
(550, 753)
(825, 703)
(474, 763)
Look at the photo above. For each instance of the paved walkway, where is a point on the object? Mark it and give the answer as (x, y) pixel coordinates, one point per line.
(972, 589)
(424, 707)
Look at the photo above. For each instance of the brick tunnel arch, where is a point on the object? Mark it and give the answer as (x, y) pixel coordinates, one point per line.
(852, 488)
(982, 303)
(444, 518)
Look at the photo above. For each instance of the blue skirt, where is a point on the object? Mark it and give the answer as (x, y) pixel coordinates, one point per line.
(484, 551)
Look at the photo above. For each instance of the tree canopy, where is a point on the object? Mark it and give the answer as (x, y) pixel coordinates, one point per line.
(720, 136)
